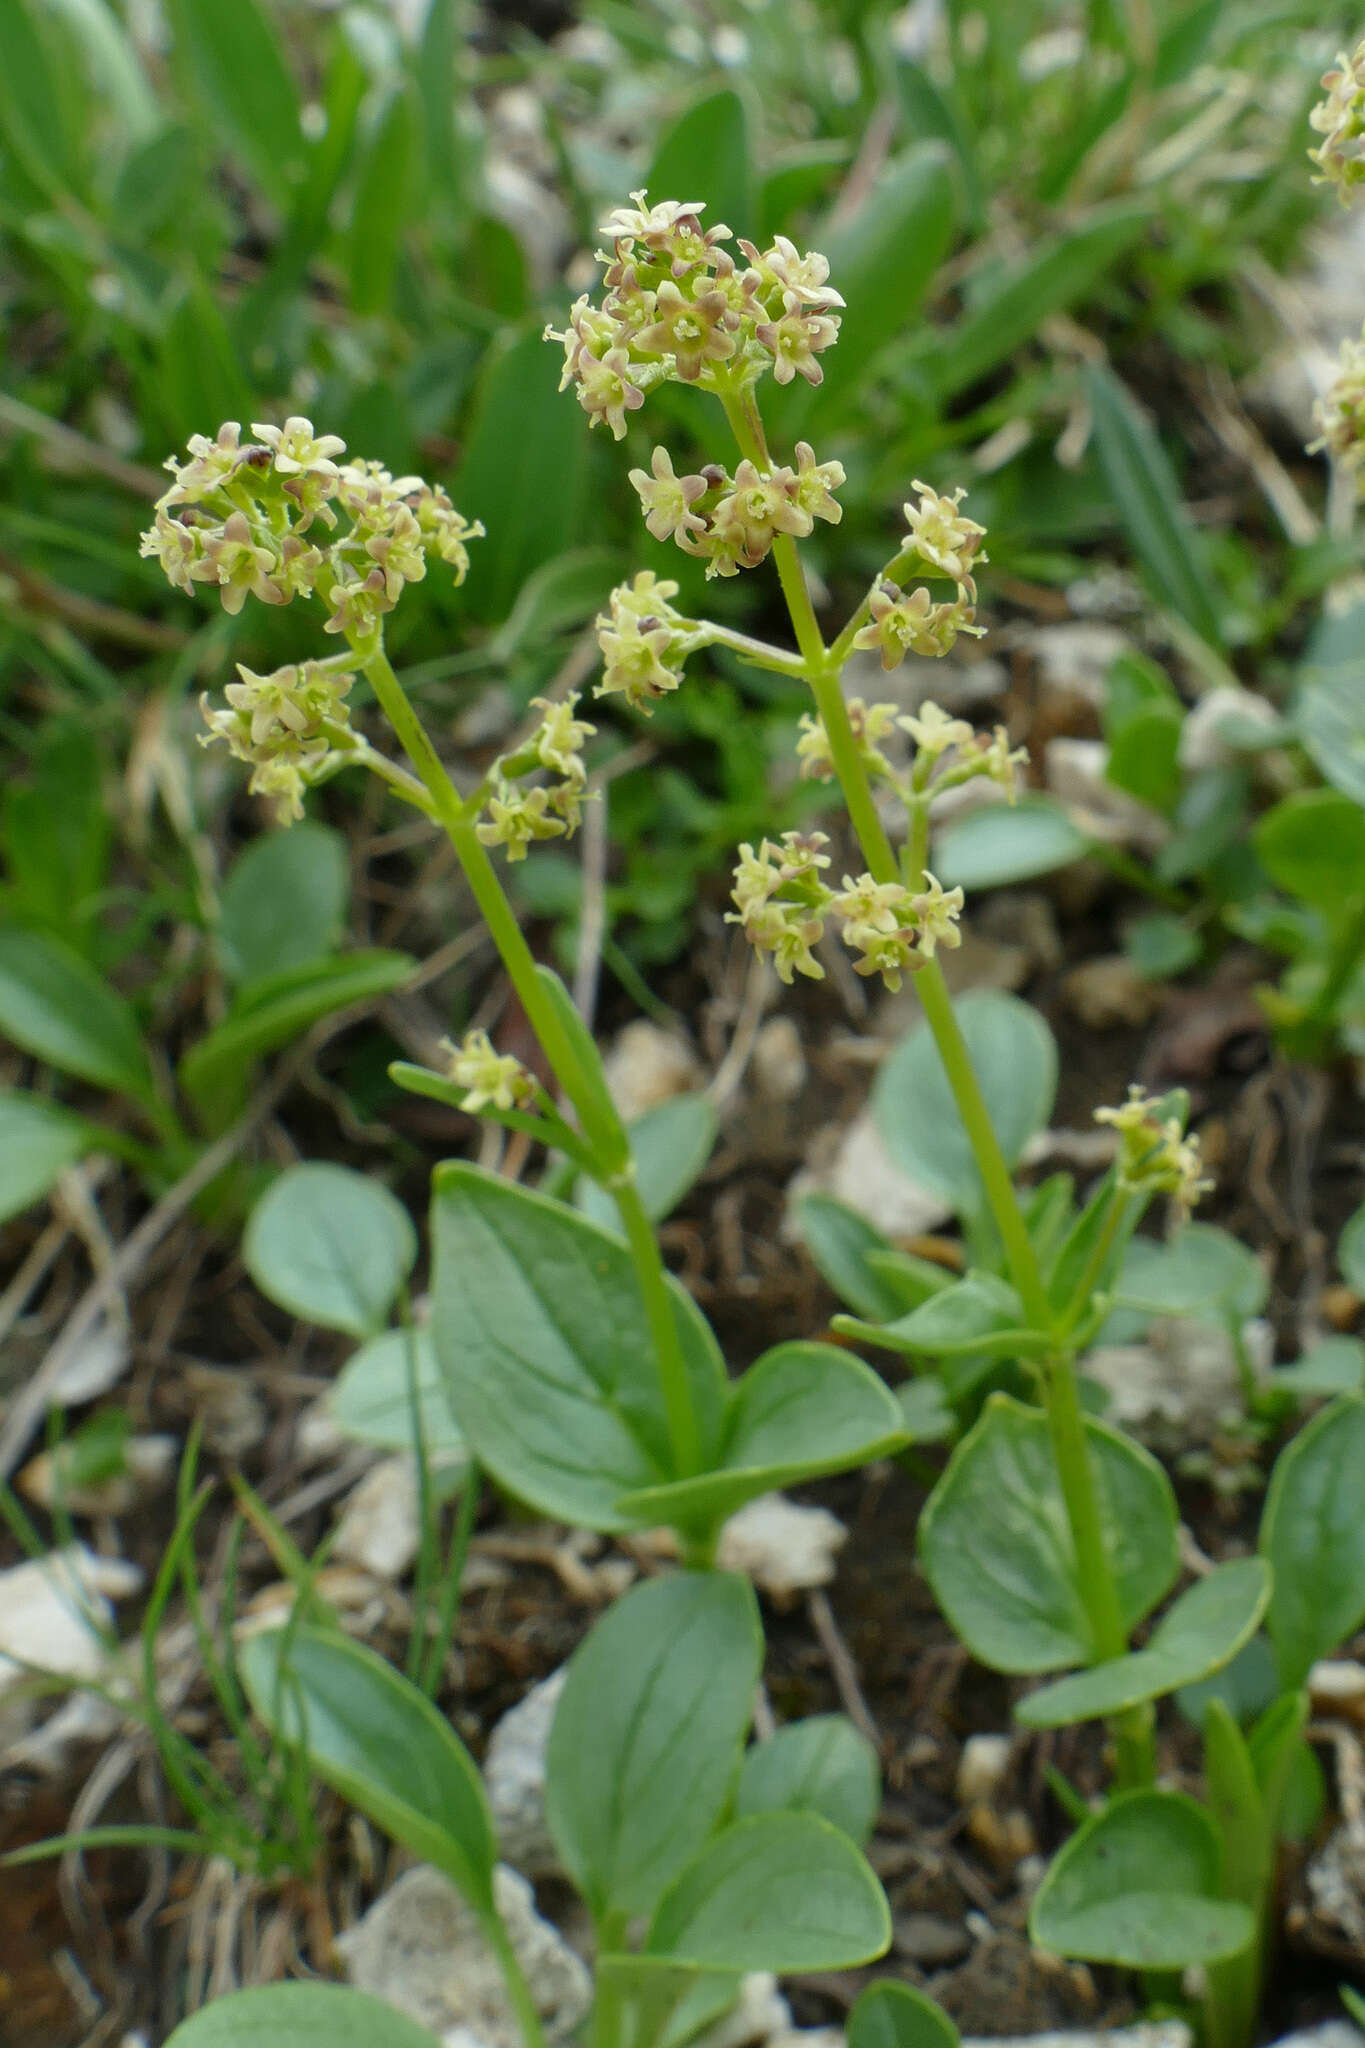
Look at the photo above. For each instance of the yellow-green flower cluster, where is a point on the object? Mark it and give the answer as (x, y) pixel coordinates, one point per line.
(1155, 1155)
(491, 1079)
(783, 904)
(517, 816)
(289, 726)
(1340, 120)
(237, 513)
(905, 622)
(679, 307)
(732, 521)
(947, 751)
(644, 641)
(1341, 414)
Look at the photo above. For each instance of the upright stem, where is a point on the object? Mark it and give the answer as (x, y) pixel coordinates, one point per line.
(513, 1976)
(1066, 1423)
(454, 817)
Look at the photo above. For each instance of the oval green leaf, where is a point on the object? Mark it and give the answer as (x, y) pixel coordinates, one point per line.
(671, 1143)
(371, 1398)
(1312, 845)
(801, 1410)
(1204, 1630)
(891, 2015)
(38, 1141)
(283, 903)
(782, 1892)
(1205, 1271)
(276, 1010)
(331, 1246)
(300, 2016)
(1140, 1886)
(55, 1006)
(1351, 1251)
(1003, 843)
(1015, 1057)
(647, 1735)
(839, 1240)
(996, 1544)
(374, 1738)
(821, 1765)
(1313, 1533)
(542, 1337)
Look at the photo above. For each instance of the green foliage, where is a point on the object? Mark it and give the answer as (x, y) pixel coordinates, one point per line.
(821, 1765)
(1313, 1538)
(1016, 1063)
(998, 1551)
(331, 1246)
(299, 2016)
(38, 1141)
(646, 1741)
(895, 2015)
(1141, 1884)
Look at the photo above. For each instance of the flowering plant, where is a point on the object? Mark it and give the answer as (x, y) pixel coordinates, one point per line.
(586, 1381)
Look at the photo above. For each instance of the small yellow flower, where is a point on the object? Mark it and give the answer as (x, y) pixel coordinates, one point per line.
(491, 1079)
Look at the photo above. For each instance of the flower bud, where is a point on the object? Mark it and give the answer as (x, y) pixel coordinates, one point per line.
(490, 1079)
(1154, 1155)
(1340, 120)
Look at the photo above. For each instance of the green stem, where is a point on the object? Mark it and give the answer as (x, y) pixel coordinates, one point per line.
(663, 1326)
(518, 1990)
(452, 1585)
(1080, 1301)
(756, 651)
(605, 1138)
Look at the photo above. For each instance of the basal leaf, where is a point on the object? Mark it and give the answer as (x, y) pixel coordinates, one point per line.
(839, 1240)
(821, 1765)
(799, 1411)
(283, 904)
(371, 1397)
(704, 156)
(541, 1334)
(894, 2015)
(1015, 1057)
(54, 1005)
(1313, 1534)
(330, 1245)
(1003, 843)
(1204, 1630)
(379, 1742)
(647, 1735)
(313, 2015)
(1141, 1885)
(38, 1141)
(996, 1544)
(781, 1891)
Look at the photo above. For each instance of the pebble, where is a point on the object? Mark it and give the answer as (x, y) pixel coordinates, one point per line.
(421, 1948)
(514, 1775)
(43, 1608)
(1176, 1389)
(647, 1066)
(381, 1525)
(1154, 2034)
(863, 1174)
(1074, 771)
(784, 1548)
(1075, 655)
(779, 1063)
(981, 1768)
(147, 1465)
(1201, 743)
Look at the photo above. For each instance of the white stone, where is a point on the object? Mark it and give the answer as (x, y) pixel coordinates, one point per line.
(1201, 744)
(1327, 2034)
(1074, 771)
(44, 1605)
(97, 1364)
(1152, 2034)
(421, 1948)
(759, 2015)
(381, 1524)
(779, 1063)
(647, 1066)
(51, 1749)
(1075, 655)
(981, 1768)
(1175, 1389)
(514, 1774)
(863, 1174)
(782, 1547)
